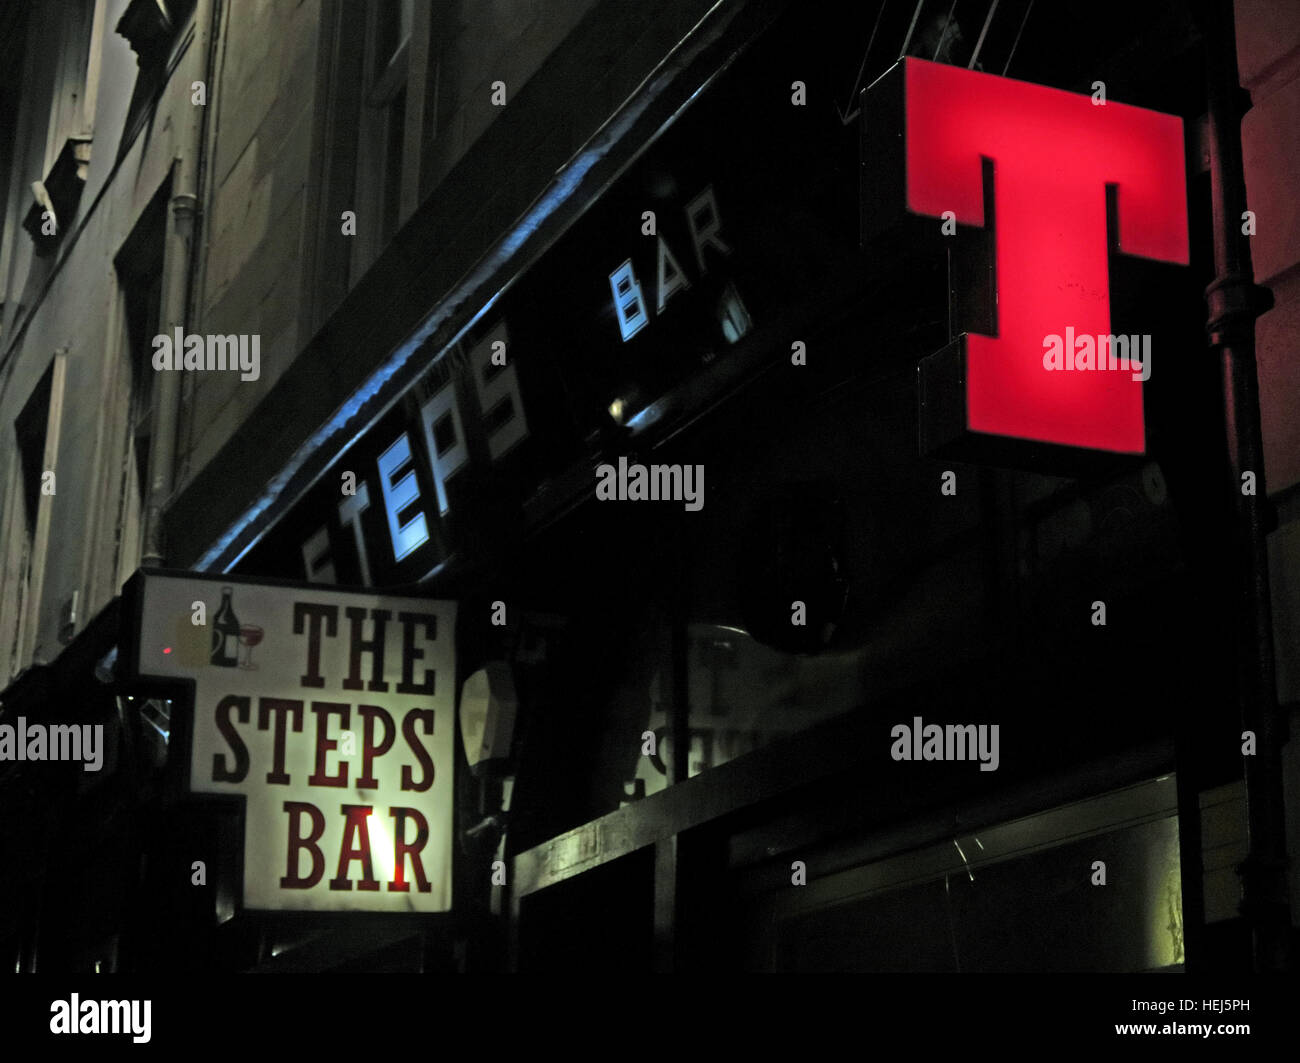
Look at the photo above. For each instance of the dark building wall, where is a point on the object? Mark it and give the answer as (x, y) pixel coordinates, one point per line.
(1268, 56)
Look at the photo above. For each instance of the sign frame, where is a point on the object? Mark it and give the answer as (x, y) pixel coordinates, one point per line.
(969, 251)
(177, 772)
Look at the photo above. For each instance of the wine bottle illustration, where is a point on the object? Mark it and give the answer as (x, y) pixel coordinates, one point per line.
(225, 633)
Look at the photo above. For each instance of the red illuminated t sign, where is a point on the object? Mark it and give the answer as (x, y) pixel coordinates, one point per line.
(1053, 154)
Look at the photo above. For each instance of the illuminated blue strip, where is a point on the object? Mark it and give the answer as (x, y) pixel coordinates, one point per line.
(563, 186)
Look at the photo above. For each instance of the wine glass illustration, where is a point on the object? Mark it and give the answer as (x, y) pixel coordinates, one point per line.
(249, 635)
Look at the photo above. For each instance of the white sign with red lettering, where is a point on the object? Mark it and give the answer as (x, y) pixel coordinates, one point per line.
(331, 713)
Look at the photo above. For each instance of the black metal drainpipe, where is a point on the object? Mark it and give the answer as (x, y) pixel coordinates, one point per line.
(1234, 303)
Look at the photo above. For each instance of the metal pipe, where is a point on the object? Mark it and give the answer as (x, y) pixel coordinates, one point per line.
(178, 271)
(1234, 301)
(679, 722)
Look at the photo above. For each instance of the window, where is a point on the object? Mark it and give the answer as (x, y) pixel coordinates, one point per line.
(56, 72)
(1016, 897)
(68, 117)
(143, 311)
(378, 82)
(152, 28)
(139, 269)
(30, 496)
(381, 128)
(30, 429)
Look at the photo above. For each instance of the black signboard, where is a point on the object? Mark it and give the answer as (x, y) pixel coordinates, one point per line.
(744, 207)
